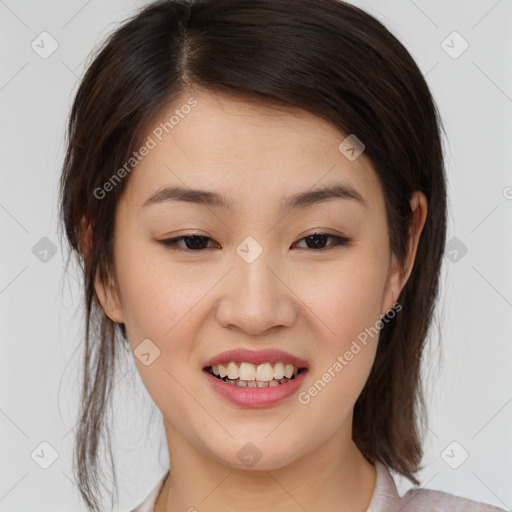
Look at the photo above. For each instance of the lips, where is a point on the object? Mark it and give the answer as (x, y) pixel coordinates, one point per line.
(256, 393)
(254, 397)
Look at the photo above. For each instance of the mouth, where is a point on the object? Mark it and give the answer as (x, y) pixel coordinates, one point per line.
(252, 379)
(245, 374)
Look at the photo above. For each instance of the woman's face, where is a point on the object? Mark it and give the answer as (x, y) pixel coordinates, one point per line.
(252, 277)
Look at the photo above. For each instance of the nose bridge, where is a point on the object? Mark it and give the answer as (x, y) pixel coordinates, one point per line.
(256, 298)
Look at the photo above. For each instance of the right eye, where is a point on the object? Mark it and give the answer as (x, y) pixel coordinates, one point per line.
(196, 243)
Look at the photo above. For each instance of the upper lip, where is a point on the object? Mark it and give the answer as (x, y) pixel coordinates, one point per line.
(269, 355)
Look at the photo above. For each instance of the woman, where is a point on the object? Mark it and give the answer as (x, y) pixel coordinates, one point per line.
(258, 194)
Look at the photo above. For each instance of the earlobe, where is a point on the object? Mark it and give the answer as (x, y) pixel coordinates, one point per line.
(109, 299)
(85, 242)
(419, 208)
(397, 276)
(393, 286)
(108, 295)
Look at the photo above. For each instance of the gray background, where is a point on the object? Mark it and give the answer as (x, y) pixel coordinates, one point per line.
(469, 394)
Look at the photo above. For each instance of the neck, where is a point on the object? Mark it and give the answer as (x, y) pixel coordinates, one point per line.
(317, 481)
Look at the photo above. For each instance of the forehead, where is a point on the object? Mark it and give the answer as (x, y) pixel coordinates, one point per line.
(245, 150)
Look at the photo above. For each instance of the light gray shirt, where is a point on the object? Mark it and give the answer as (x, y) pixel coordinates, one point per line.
(387, 498)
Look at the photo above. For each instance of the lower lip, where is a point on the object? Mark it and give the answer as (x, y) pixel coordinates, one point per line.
(255, 397)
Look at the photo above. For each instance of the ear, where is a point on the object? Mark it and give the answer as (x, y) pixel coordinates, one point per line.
(108, 293)
(397, 277)
(109, 297)
(85, 242)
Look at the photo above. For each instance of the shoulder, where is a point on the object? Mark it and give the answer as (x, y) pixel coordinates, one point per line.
(149, 502)
(387, 498)
(437, 501)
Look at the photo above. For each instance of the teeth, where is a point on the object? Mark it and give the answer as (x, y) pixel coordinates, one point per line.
(261, 374)
(232, 371)
(223, 371)
(278, 371)
(264, 372)
(247, 372)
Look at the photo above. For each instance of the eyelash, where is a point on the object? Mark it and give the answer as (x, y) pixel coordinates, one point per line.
(171, 243)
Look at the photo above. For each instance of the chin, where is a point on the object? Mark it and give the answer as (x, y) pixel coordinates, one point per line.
(256, 455)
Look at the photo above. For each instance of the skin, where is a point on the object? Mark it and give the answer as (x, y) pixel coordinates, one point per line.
(310, 302)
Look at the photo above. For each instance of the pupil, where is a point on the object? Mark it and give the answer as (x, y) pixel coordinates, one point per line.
(315, 244)
(195, 239)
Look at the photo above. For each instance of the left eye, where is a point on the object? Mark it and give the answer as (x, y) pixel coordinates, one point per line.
(197, 242)
(317, 240)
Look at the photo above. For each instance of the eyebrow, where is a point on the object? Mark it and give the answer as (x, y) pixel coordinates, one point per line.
(299, 200)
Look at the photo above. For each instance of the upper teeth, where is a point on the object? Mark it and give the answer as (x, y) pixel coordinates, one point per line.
(262, 372)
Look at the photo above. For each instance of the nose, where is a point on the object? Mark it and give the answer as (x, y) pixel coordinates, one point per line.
(256, 298)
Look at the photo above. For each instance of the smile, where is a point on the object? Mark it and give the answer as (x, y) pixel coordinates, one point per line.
(255, 378)
(245, 374)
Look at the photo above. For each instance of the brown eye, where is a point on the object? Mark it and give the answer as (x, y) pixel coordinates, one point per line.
(198, 243)
(192, 242)
(317, 241)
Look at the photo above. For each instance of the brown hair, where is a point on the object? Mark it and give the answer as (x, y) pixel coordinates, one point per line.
(323, 56)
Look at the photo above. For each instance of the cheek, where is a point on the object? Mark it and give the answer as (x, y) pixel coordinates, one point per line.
(160, 303)
(347, 304)
(156, 295)
(346, 297)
